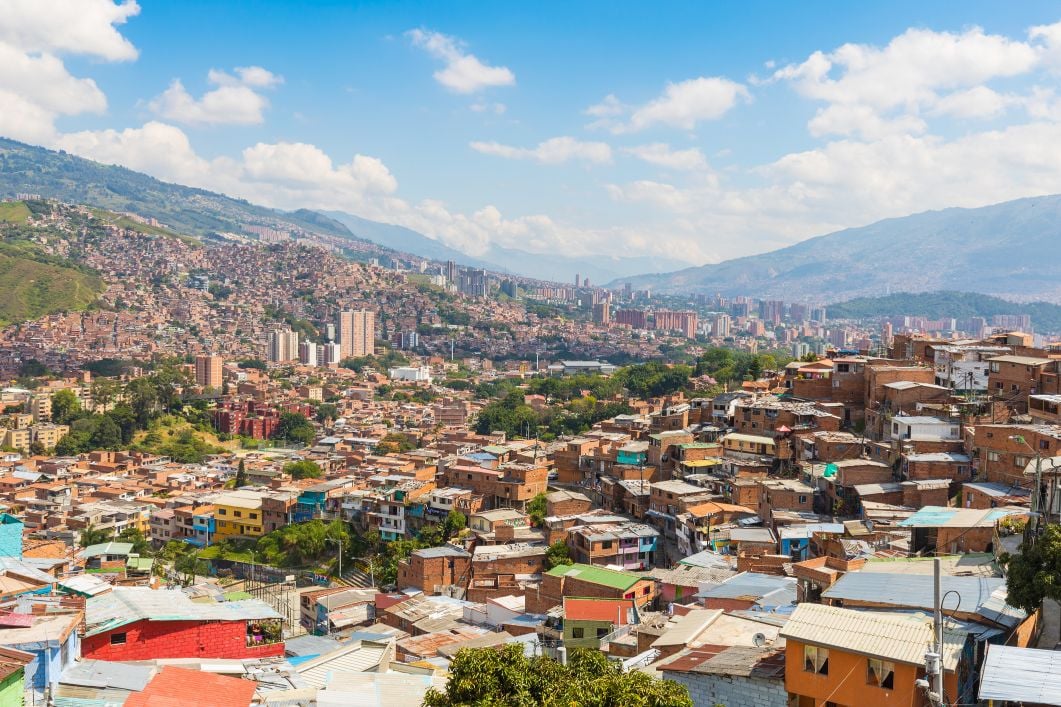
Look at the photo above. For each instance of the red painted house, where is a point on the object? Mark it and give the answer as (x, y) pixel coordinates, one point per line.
(139, 623)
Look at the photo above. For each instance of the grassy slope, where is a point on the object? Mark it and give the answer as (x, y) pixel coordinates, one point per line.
(30, 289)
(169, 427)
(14, 212)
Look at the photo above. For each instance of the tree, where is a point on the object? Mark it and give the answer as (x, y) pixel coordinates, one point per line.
(536, 509)
(107, 435)
(141, 545)
(1035, 573)
(255, 363)
(327, 411)
(65, 406)
(304, 469)
(295, 427)
(241, 474)
(104, 390)
(92, 535)
(557, 554)
(455, 522)
(37, 448)
(505, 676)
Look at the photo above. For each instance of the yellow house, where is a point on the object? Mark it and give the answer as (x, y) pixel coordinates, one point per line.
(238, 514)
(749, 444)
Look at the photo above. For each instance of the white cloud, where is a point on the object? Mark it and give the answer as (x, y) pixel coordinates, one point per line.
(35, 85)
(556, 150)
(463, 72)
(233, 102)
(68, 27)
(976, 102)
(681, 105)
(872, 91)
(661, 155)
(609, 107)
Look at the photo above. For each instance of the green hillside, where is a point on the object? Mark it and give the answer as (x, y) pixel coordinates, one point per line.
(14, 212)
(1046, 317)
(62, 176)
(30, 288)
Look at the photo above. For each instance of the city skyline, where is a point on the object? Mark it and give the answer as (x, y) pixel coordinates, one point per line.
(725, 132)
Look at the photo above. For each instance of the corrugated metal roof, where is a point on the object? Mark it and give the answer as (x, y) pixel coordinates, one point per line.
(355, 658)
(985, 596)
(124, 605)
(378, 690)
(1025, 675)
(902, 638)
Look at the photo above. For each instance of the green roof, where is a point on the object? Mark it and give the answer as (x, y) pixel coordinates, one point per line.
(596, 575)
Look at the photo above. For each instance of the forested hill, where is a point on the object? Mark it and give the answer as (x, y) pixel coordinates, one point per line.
(1046, 317)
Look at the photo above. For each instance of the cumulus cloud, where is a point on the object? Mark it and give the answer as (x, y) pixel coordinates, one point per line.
(681, 105)
(661, 155)
(463, 72)
(234, 101)
(556, 150)
(874, 91)
(85, 27)
(35, 85)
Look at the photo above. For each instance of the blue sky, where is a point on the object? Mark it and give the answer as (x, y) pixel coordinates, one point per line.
(702, 131)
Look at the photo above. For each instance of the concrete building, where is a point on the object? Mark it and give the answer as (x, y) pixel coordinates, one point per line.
(283, 346)
(208, 371)
(357, 333)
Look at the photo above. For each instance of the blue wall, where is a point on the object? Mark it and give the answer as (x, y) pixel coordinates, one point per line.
(10, 536)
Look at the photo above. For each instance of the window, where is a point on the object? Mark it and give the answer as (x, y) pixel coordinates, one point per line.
(578, 632)
(254, 516)
(880, 673)
(222, 512)
(118, 639)
(992, 456)
(606, 545)
(816, 660)
(602, 632)
(802, 499)
(238, 514)
(1020, 462)
(647, 590)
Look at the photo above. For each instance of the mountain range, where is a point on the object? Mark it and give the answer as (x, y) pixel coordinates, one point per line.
(1011, 249)
(27, 169)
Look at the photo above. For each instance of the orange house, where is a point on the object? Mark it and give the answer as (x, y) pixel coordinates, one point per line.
(847, 658)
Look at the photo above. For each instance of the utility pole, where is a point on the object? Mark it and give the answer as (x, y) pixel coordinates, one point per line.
(934, 658)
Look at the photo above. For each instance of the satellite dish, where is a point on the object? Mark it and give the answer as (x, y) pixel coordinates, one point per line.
(759, 640)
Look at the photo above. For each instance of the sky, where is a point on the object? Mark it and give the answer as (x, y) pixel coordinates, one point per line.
(697, 131)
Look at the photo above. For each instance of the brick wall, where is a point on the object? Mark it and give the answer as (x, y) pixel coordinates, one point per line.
(735, 691)
(148, 640)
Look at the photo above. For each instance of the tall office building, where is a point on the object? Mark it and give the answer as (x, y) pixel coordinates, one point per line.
(208, 371)
(283, 345)
(357, 333)
(307, 353)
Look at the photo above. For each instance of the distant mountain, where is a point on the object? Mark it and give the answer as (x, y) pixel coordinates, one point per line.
(59, 175)
(552, 267)
(1046, 317)
(558, 268)
(1011, 249)
(406, 240)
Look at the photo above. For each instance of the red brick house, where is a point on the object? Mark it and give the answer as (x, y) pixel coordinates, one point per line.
(138, 623)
